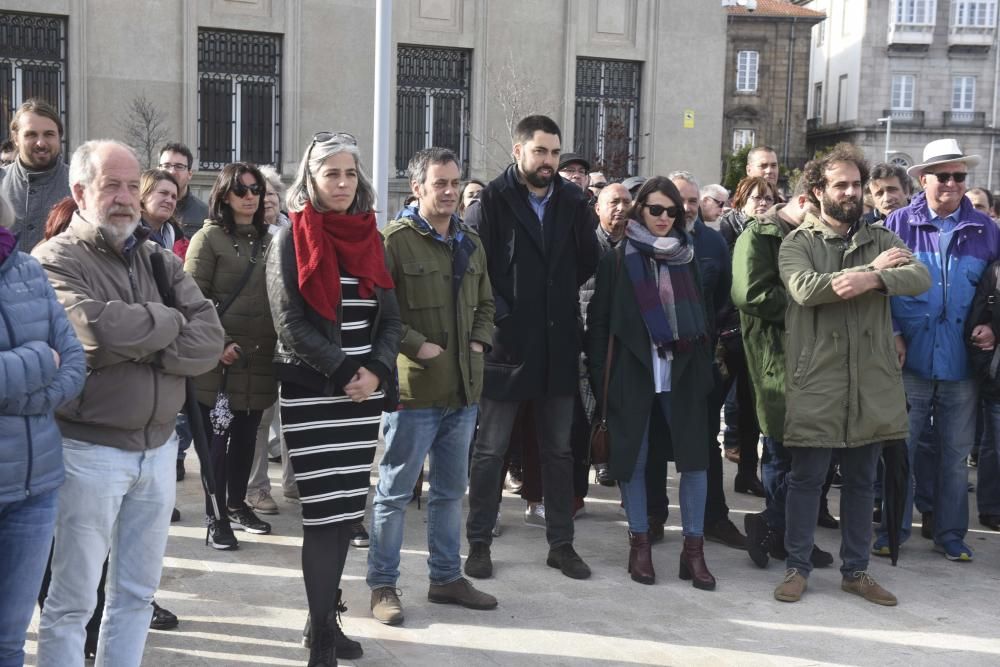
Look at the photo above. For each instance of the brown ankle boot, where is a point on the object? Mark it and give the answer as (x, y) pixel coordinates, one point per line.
(640, 560)
(693, 564)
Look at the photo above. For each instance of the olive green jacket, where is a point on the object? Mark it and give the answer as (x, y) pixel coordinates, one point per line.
(844, 386)
(761, 298)
(217, 261)
(421, 268)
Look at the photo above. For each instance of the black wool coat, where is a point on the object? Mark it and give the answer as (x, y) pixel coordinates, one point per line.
(535, 270)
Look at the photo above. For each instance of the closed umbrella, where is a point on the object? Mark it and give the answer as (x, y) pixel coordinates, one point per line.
(895, 487)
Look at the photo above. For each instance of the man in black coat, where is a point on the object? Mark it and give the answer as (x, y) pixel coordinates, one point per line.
(537, 231)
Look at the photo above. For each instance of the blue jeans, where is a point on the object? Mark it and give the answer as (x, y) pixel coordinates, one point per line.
(445, 434)
(26, 535)
(810, 466)
(118, 501)
(777, 462)
(693, 489)
(988, 486)
(940, 463)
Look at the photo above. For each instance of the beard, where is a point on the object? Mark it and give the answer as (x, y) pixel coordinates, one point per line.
(115, 233)
(536, 179)
(39, 160)
(846, 211)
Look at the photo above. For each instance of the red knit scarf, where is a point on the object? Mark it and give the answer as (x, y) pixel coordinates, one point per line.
(327, 242)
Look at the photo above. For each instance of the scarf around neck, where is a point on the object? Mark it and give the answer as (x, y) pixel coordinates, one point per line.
(328, 243)
(664, 281)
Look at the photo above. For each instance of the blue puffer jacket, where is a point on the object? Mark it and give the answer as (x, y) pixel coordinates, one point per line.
(31, 387)
(933, 323)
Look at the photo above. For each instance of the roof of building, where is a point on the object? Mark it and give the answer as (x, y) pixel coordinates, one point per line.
(777, 8)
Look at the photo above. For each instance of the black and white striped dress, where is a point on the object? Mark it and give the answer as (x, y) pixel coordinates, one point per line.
(331, 439)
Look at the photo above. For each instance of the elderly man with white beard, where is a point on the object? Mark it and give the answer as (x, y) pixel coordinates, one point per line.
(118, 444)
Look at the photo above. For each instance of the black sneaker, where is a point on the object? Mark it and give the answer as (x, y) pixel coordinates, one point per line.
(244, 519)
(359, 536)
(479, 565)
(820, 558)
(220, 535)
(162, 619)
(175, 516)
(758, 538)
(725, 532)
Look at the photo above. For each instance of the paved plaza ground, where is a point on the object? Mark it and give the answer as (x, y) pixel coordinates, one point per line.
(247, 607)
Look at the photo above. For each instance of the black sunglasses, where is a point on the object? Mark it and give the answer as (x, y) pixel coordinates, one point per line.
(945, 176)
(240, 189)
(656, 210)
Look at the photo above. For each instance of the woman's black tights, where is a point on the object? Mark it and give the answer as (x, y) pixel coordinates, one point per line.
(324, 552)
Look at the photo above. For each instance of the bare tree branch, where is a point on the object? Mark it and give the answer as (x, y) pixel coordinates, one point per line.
(144, 128)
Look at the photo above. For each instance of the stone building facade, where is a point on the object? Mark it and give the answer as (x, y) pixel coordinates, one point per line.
(628, 81)
(931, 66)
(767, 79)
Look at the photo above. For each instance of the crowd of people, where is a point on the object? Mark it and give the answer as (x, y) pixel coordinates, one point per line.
(485, 328)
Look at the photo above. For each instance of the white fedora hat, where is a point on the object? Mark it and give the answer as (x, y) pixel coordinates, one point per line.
(940, 151)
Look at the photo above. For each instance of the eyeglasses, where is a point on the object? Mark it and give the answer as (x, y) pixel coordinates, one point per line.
(597, 186)
(720, 204)
(656, 210)
(945, 176)
(240, 189)
(767, 199)
(173, 166)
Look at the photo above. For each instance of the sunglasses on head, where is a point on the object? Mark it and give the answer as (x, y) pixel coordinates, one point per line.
(945, 176)
(240, 189)
(326, 135)
(656, 210)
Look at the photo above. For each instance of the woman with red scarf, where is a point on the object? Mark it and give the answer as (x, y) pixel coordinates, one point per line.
(338, 329)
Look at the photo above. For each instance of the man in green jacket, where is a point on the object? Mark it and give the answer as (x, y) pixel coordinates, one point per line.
(761, 298)
(843, 381)
(446, 305)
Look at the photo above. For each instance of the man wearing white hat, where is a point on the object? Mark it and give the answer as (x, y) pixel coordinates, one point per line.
(957, 243)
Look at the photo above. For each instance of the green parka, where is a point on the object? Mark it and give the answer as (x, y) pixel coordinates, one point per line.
(761, 298)
(217, 261)
(614, 311)
(844, 386)
(421, 267)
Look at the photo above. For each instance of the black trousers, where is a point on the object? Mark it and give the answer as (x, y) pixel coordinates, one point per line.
(232, 457)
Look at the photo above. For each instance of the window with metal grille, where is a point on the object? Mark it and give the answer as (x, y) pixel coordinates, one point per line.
(974, 13)
(746, 71)
(32, 63)
(432, 102)
(607, 115)
(902, 92)
(239, 98)
(743, 137)
(963, 93)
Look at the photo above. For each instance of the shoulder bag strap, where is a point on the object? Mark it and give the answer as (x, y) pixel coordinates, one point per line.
(244, 279)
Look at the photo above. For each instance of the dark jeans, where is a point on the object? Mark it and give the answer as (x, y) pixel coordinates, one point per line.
(533, 489)
(777, 463)
(657, 502)
(184, 438)
(742, 431)
(805, 483)
(553, 420)
(232, 457)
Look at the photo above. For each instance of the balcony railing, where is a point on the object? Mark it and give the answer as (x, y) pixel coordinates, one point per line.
(910, 35)
(905, 117)
(965, 118)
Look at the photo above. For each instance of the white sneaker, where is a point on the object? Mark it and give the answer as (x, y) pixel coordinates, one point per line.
(534, 515)
(497, 529)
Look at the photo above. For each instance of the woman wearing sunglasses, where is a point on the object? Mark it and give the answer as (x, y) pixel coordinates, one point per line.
(339, 330)
(226, 259)
(648, 302)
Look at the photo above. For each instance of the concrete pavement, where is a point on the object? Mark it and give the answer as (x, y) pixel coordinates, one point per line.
(247, 607)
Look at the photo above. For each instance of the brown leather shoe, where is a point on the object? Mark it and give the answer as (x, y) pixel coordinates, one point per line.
(693, 567)
(861, 583)
(791, 588)
(640, 559)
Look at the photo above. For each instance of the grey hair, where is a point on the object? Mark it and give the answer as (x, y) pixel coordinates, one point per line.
(82, 168)
(303, 188)
(715, 191)
(684, 176)
(417, 168)
(273, 179)
(6, 213)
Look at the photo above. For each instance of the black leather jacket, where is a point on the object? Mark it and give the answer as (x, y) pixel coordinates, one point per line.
(309, 351)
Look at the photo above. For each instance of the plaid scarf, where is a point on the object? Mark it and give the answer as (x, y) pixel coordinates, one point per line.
(663, 279)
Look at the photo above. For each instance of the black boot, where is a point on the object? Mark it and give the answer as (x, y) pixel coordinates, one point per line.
(322, 649)
(347, 648)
